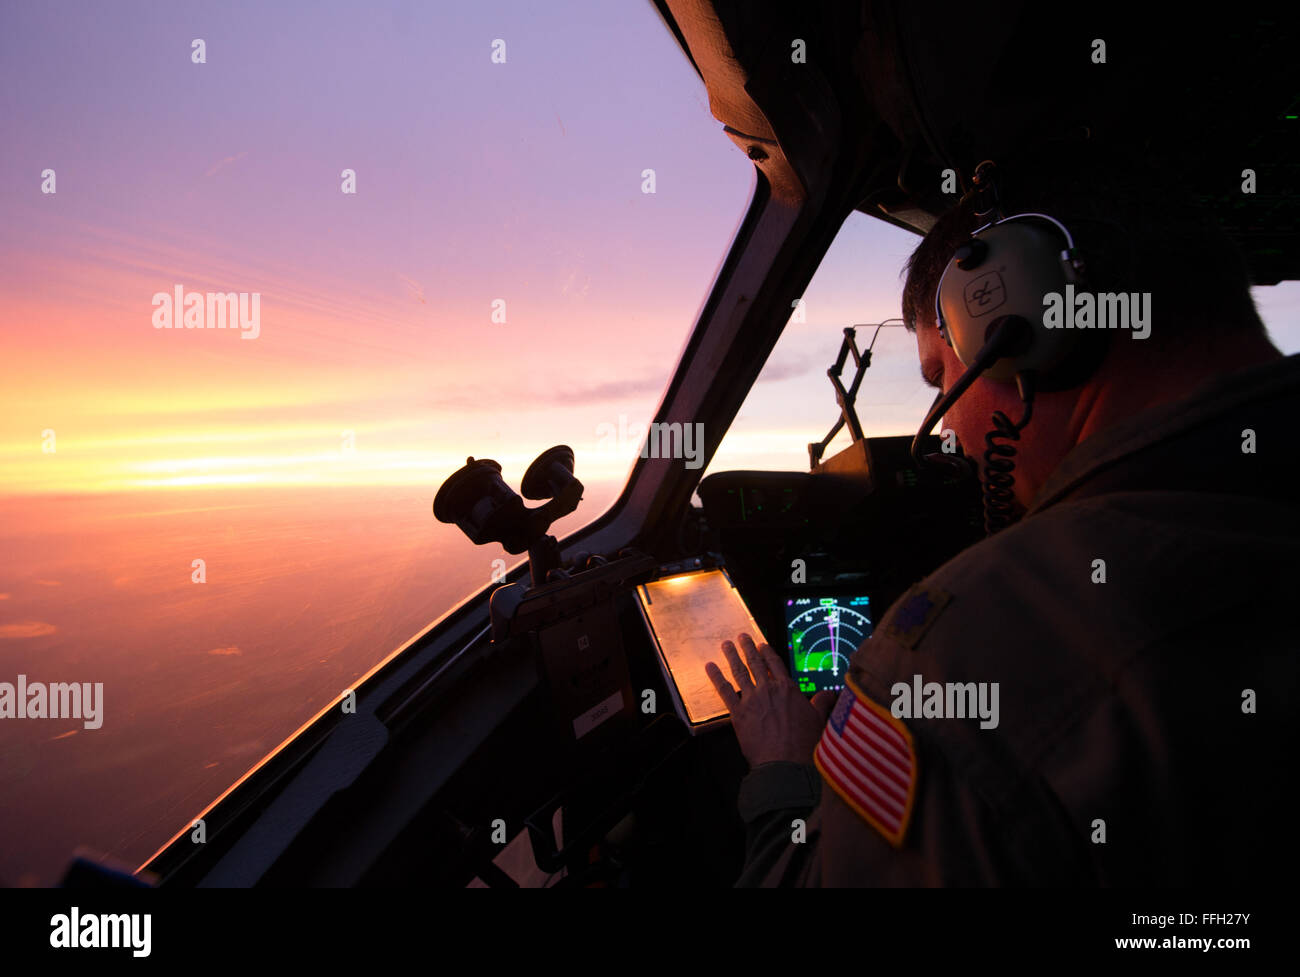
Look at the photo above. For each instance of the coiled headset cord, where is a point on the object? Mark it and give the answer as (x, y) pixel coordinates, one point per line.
(999, 460)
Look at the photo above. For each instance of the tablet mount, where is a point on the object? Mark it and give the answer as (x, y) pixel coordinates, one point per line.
(487, 510)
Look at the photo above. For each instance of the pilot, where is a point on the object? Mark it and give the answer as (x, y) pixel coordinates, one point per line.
(1130, 616)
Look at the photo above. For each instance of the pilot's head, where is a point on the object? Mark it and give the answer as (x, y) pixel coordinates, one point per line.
(1138, 233)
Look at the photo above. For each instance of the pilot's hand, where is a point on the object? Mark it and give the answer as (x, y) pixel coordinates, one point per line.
(771, 717)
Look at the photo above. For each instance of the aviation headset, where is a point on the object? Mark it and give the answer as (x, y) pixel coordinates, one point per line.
(989, 308)
(1003, 272)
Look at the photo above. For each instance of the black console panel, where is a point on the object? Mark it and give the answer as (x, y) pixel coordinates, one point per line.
(866, 524)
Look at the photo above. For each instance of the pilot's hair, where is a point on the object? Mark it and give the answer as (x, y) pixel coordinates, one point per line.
(1138, 230)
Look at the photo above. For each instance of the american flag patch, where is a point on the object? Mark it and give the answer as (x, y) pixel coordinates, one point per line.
(867, 756)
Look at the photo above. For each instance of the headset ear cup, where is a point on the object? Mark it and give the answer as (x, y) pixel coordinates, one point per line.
(1020, 262)
(939, 321)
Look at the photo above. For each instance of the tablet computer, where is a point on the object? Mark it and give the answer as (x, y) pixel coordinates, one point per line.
(688, 616)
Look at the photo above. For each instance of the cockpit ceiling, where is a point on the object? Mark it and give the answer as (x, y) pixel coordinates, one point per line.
(915, 88)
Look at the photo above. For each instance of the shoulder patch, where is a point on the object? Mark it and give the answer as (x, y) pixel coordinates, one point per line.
(867, 756)
(915, 611)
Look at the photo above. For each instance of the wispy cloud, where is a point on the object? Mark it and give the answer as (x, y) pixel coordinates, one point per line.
(597, 393)
(792, 368)
(224, 162)
(26, 629)
(416, 288)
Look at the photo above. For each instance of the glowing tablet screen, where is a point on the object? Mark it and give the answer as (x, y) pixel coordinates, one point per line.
(690, 615)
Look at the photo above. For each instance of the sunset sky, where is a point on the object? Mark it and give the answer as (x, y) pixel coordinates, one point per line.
(476, 182)
(377, 367)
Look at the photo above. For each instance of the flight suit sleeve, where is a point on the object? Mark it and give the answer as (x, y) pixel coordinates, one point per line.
(955, 837)
(950, 806)
(773, 796)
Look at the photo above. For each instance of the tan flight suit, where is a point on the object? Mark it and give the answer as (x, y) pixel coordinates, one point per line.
(1147, 724)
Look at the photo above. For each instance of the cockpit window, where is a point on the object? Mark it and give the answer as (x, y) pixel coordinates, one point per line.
(268, 279)
(793, 402)
(858, 284)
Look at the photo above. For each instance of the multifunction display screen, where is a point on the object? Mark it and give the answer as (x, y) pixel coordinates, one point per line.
(821, 634)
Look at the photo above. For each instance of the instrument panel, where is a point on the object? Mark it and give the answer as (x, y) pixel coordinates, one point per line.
(822, 633)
